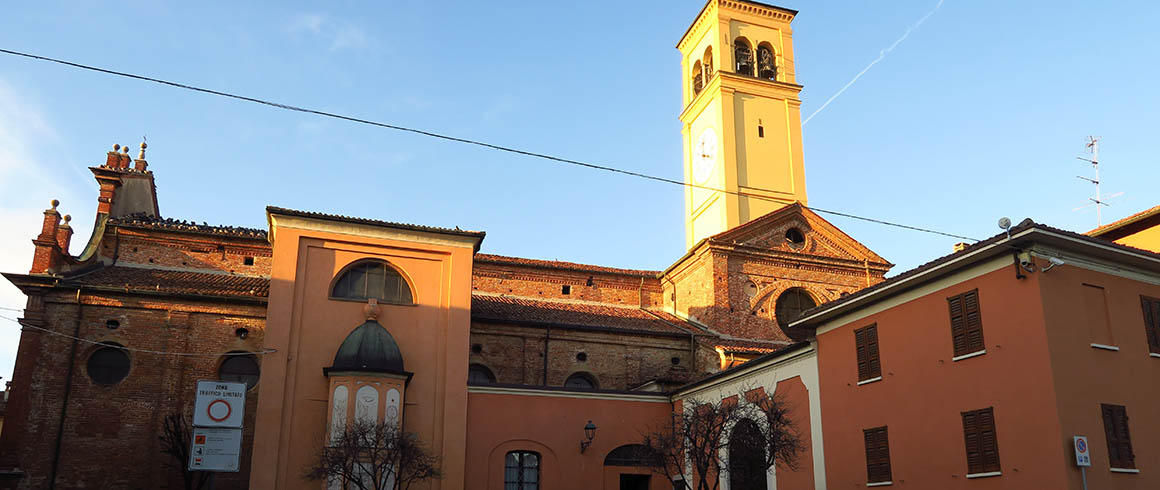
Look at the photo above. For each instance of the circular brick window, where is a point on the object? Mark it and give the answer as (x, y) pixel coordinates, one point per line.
(795, 238)
(108, 365)
(240, 367)
(476, 348)
(582, 356)
(791, 304)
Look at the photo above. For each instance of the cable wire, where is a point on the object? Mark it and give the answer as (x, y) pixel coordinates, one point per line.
(469, 141)
(130, 349)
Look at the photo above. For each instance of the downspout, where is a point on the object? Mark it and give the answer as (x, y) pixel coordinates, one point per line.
(67, 390)
(547, 337)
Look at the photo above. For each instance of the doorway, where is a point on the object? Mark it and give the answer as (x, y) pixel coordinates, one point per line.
(633, 482)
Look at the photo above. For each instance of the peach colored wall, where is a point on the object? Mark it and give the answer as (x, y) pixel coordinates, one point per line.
(1085, 376)
(553, 426)
(793, 393)
(306, 328)
(923, 391)
(1147, 239)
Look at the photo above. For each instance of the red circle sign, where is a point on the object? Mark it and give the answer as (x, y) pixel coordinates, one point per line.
(215, 408)
(1080, 445)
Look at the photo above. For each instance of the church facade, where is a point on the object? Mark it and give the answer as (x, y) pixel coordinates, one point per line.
(489, 360)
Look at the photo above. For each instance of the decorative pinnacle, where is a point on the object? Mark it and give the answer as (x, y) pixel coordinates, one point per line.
(125, 149)
(55, 203)
(141, 156)
(371, 310)
(67, 218)
(116, 148)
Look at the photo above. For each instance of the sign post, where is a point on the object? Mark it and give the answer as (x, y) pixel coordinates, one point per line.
(1083, 457)
(216, 441)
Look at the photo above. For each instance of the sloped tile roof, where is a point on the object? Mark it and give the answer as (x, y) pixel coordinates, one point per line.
(586, 315)
(1110, 229)
(134, 279)
(556, 264)
(754, 346)
(373, 222)
(145, 221)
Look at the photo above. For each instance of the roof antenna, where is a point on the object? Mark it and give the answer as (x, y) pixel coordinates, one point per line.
(1005, 224)
(1093, 146)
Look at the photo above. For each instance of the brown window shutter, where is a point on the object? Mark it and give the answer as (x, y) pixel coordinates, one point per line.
(1151, 308)
(1119, 439)
(866, 345)
(974, 321)
(958, 325)
(982, 443)
(877, 455)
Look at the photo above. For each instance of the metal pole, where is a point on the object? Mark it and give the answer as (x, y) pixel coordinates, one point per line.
(1083, 474)
(213, 478)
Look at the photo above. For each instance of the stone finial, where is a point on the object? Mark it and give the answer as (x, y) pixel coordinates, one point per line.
(141, 156)
(125, 149)
(54, 203)
(371, 310)
(67, 218)
(116, 148)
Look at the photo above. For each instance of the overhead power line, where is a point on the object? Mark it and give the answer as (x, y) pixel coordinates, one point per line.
(145, 351)
(470, 142)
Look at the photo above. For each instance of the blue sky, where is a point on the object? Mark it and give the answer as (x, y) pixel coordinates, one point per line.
(978, 113)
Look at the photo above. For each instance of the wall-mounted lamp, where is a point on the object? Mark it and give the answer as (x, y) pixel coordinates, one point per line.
(589, 435)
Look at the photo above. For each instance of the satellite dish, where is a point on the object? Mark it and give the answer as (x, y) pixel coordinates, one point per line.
(1005, 223)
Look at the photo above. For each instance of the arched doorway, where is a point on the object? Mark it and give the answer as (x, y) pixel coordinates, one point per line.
(746, 457)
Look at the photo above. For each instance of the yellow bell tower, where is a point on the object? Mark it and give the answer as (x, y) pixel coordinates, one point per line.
(742, 116)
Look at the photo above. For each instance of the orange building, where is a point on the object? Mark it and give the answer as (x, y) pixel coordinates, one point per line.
(977, 369)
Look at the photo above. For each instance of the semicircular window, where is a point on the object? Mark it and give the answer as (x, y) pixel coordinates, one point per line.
(479, 374)
(791, 304)
(109, 364)
(580, 380)
(628, 455)
(372, 279)
(240, 368)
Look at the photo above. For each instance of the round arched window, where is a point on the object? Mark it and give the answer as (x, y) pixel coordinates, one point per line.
(109, 364)
(791, 304)
(240, 368)
(372, 279)
(580, 380)
(479, 374)
(795, 238)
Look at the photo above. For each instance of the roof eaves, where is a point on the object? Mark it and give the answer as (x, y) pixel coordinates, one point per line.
(478, 235)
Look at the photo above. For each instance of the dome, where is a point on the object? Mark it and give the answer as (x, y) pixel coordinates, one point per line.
(369, 348)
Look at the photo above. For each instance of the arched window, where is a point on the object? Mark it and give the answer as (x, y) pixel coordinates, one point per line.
(747, 456)
(791, 304)
(240, 368)
(109, 364)
(628, 455)
(698, 79)
(479, 374)
(707, 63)
(372, 279)
(766, 62)
(580, 380)
(742, 56)
(521, 471)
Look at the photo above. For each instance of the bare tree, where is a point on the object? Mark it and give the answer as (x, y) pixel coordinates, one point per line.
(374, 456)
(697, 439)
(175, 434)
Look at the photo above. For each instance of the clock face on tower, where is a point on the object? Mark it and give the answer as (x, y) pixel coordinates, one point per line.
(704, 156)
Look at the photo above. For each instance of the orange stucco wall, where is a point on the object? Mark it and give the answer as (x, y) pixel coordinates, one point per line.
(553, 426)
(306, 328)
(1147, 239)
(794, 394)
(923, 391)
(1085, 376)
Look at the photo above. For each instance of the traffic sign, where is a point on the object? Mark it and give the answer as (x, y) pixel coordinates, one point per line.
(215, 449)
(1082, 455)
(219, 404)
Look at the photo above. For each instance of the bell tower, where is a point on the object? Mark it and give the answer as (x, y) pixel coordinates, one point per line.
(741, 122)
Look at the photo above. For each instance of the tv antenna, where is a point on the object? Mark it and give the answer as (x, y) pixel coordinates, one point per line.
(1093, 145)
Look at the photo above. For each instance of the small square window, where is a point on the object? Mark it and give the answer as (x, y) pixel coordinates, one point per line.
(248, 261)
(566, 289)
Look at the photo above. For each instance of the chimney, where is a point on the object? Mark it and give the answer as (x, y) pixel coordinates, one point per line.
(125, 160)
(125, 190)
(959, 247)
(47, 253)
(113, 158)
(64, 235)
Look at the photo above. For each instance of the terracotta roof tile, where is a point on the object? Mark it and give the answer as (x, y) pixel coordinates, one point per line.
(373, 222)
(754, 346)
(576, 314)
(145, 221)
(1130, 220)
(556, 264)
(134, 279)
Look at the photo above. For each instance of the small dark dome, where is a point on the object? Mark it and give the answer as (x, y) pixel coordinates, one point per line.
(369, 348)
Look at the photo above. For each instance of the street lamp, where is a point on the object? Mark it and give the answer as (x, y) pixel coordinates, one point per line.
(589, 434)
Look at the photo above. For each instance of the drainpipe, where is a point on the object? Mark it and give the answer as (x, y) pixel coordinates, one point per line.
(67, 390)
(547, 336)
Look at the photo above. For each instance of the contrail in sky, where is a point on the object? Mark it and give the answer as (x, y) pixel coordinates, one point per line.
(881, 55)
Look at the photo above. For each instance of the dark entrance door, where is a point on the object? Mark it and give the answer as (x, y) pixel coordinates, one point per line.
(633, 482)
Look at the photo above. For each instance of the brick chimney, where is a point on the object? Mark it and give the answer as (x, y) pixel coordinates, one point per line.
(64, 234)
(140, 164)
(126, 185)
(47, 254)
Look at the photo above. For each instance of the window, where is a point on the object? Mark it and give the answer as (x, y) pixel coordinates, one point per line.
(1119, 440)
(566, 289)
(479, 374)
(1152, 322)
(1095, 307)
(766, 64)
(791, 304)
(795, 238)
(580, 380)
(866, 344)
(240, 368)
(747, 456)
(707, 63)
(372, 279)
(698, 81)
(982, 444)
(877, 455)
(743, 56)
(521, 471)
(966, 323)
(627, 455)
(109, 364)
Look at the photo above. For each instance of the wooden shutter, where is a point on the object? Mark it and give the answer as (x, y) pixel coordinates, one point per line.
(982, 444)
(866, 345)
(966, 323)
(1119, 439)
(877, 455)
(1151, 308)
